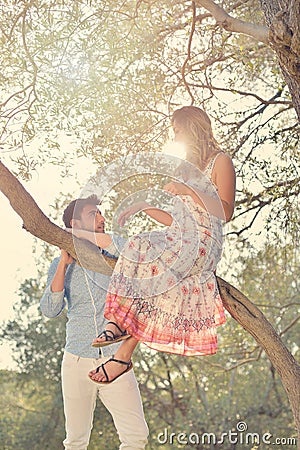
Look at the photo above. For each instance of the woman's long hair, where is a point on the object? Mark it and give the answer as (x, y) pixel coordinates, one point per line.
(200, 142)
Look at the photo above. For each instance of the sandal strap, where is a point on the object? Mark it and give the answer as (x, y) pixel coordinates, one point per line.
(118, 328)
(105, 373)
(127, 364)
(108, 337)
(119, 361)
(103, 370)
(112, 336)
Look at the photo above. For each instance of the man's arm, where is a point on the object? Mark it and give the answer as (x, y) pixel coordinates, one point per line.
(58, 281)
(53, 302)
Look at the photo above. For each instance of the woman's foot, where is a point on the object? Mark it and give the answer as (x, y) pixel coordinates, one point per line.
(110, 335)
(110, 370)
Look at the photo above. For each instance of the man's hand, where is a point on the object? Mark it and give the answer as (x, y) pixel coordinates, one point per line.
(66, 258)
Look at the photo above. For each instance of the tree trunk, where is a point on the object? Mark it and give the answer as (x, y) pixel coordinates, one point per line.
(283, 20)
(239, 306)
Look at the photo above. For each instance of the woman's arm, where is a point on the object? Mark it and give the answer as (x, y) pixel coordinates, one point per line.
(223, 176)
(159, 215)
(102, 240)
(209, 204)
(155, 213)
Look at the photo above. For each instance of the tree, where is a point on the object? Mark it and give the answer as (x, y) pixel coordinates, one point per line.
(107, 76)
(31, 417)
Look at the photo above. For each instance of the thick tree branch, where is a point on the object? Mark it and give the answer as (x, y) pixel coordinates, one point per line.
(229, 23)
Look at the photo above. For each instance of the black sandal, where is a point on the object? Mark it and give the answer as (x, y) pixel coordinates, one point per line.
(111, 337)
(127, 364)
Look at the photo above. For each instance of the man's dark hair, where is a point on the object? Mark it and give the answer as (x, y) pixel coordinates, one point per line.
(74, 209)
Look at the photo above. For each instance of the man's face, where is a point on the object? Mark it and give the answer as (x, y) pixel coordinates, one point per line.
(91, 220)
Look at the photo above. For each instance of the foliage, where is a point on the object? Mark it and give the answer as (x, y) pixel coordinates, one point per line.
(99, 80)
(31, 413)
(29, 326)
(279, 300)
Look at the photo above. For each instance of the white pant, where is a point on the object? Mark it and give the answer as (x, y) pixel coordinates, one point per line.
(121, 398)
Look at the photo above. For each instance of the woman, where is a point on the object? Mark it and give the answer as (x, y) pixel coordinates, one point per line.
(154, 295)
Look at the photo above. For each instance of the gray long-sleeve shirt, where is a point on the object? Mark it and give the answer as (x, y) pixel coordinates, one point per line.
(84, 296)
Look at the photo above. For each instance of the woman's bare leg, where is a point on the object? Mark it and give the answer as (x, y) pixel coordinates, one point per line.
(113, 369)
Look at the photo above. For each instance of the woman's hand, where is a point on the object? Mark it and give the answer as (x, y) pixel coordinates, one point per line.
(130, 211)
(177, 188)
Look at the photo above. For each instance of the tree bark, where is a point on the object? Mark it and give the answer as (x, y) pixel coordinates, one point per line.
(282, 34)
(239, 306)
(283, 20)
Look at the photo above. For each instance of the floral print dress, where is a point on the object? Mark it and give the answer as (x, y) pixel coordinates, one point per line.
(163, 290)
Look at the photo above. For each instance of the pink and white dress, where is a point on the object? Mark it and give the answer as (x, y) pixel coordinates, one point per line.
(163, 290)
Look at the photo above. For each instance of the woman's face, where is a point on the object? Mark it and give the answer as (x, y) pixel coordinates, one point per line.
(179, 134)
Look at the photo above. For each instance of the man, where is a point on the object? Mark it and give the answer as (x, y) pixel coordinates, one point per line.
(84, 293)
